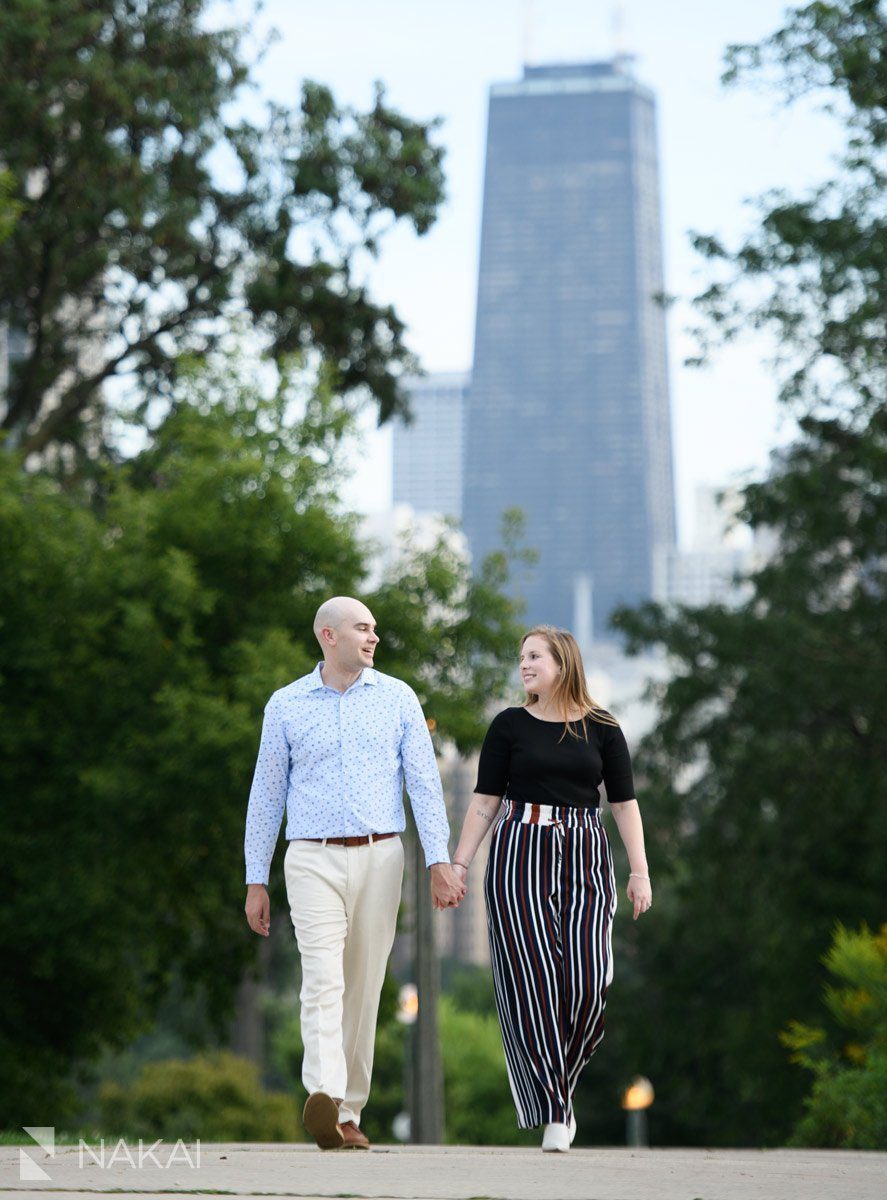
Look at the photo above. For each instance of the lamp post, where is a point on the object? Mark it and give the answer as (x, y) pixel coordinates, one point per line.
(426, 1099)
(636, 1099)
(407, 1012)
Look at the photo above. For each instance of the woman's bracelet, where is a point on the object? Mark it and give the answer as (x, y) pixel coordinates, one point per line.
(638, 876)
(463, 865)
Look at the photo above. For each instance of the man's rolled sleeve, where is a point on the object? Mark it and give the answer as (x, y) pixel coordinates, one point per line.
(267, 797)
(422, 780)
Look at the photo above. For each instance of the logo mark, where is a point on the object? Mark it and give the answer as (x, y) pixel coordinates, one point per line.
(44, 1136)
(29, 1170)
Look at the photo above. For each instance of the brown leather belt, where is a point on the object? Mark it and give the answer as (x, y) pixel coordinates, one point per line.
(364, 840)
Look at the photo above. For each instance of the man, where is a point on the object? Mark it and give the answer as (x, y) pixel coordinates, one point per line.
(337, 747)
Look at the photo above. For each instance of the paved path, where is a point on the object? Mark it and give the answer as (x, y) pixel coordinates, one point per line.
(460, 1173)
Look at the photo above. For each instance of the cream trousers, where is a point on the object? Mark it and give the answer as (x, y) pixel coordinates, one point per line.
(343, 901)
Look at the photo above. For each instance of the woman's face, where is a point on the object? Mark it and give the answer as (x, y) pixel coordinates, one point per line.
(538, 669)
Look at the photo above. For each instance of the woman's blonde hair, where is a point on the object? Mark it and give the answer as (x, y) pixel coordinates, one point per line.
(571, 690)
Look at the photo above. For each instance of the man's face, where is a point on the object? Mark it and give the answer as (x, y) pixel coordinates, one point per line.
(356, 640)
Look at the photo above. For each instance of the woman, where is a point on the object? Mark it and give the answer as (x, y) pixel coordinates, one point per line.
(549, 884)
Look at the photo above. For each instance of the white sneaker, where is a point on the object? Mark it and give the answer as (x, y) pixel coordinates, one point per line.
(556, 1138)
(572, 1128)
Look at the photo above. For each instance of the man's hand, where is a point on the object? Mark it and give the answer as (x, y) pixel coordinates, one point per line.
(258, 909)
(447, 889)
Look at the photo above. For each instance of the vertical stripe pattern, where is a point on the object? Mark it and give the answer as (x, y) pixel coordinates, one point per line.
(550, 906)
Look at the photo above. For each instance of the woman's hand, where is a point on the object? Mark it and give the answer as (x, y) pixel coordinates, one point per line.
(461, 873)
(447, 888)
(640, 893)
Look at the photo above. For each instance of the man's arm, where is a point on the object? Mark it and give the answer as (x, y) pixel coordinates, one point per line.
(422, 780)
(267, 803)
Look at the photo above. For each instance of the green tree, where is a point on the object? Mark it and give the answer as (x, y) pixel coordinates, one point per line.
(144, 627)
(9, 207)
(152, 210)
(766, 763)
(848, 1105)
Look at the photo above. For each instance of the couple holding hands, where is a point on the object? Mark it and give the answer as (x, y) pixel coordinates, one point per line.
(338, 747)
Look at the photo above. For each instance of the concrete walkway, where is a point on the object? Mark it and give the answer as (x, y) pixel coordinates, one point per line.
(454, 1173)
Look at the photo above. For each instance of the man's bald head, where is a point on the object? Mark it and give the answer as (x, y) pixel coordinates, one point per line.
(343, 615)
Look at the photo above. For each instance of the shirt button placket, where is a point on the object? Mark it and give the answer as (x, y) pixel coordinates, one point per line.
(343, 781)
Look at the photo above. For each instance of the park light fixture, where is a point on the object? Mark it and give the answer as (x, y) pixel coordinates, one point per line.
(636, 1099)
(407, 1004)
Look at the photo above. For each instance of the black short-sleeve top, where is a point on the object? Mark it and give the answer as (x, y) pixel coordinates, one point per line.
(529, 761)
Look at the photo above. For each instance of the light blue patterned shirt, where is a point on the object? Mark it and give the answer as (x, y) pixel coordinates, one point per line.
(337, 763)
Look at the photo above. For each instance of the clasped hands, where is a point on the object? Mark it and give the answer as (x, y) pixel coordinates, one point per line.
(447, 885)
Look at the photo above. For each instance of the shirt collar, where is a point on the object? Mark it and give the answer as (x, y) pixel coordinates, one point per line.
(314, 681)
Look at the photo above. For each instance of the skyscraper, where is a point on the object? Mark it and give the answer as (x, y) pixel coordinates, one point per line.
(13, 348)
(427, 454)
(568, 410)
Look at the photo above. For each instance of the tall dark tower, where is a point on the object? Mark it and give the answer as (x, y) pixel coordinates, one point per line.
(568, 412)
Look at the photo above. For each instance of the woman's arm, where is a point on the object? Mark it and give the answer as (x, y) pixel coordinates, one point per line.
(479, 818)
(492, 781)
(631, 829)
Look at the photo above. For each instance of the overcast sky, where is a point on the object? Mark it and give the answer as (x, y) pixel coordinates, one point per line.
(717, 149)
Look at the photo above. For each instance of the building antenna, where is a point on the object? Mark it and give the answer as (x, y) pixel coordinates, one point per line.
(622, 56)
(528, 31)
(618, 27)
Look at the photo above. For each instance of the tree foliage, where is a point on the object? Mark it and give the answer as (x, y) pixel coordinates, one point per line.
(813, 274)
(848, 1104)
(478, 1104)
(766, 766)
(144, 627)
(152, 210)
(9, 208)
(212, 1098)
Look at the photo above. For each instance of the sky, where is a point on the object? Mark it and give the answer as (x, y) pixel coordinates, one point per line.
(718, 149)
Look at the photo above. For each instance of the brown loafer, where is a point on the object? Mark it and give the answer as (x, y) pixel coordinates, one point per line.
(321, 1118)
(354, 1137)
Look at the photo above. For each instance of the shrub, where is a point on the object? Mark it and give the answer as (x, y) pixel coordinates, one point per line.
(215, 1097)
(847, 1106)
(479, 1108)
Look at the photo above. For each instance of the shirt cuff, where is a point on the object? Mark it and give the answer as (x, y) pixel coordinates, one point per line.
(437, 854)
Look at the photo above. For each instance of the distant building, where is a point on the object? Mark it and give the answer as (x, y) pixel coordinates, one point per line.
(716, 521)
(568, 410)
(427, 453)
(722, 551)
(13, 348)
(395, 532)
(699, 577)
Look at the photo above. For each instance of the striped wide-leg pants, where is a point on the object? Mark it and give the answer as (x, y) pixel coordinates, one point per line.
(550, 906)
